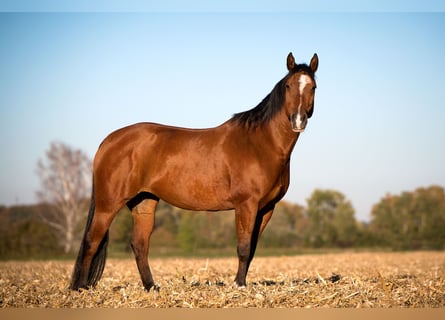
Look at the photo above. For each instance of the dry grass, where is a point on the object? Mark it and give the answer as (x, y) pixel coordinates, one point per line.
(351, 280)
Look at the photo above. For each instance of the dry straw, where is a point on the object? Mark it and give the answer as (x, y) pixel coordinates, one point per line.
(346, 280)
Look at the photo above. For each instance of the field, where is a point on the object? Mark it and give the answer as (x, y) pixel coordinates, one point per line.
(346, 280)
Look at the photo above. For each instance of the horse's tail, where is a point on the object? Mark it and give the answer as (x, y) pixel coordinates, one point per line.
(98, 263)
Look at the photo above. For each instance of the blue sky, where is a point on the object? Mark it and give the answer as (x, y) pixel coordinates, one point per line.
(378, 125)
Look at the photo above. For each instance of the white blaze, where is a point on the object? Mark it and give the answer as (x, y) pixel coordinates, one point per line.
(300, 122)
(304, 81)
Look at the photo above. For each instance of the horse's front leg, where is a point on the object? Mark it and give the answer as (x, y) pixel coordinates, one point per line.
(260, 224)
(245, 218)
(144, 220)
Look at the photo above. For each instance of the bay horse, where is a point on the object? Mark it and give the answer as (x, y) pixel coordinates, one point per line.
(242, 164)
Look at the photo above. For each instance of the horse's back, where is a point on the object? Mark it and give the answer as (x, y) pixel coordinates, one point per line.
(185, 167)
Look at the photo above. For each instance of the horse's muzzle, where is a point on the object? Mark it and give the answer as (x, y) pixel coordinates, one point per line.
(298, 121)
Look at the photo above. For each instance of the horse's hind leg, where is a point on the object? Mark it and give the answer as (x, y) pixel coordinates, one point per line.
(144, 220)
(92, 255)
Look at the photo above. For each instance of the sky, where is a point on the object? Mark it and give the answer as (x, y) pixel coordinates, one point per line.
(75, 75)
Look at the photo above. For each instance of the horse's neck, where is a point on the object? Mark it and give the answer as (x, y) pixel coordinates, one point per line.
(275, 139)
(283, 139)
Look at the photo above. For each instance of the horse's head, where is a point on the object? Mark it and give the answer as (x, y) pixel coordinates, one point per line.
(300, 92)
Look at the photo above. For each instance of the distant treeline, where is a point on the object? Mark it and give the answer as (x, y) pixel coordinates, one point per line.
(408, 221)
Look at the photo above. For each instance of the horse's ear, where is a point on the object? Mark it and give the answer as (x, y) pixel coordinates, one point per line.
(314, 63)
(290, 61)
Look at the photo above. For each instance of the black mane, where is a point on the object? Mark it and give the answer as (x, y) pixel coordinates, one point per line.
(271, 104)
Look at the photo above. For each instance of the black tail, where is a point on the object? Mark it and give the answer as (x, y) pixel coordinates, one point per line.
(98, 262)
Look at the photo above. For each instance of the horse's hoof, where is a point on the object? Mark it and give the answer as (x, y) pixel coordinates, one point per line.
(240, 287)
(155, 287)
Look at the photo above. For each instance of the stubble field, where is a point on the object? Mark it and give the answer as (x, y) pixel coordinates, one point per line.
(351, 280)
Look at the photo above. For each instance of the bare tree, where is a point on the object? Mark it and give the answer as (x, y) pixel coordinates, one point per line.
(65, 184)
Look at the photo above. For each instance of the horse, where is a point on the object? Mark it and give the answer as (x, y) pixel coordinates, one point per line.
(241, 165)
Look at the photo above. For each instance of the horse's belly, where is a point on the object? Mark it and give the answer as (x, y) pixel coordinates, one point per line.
(194, 192)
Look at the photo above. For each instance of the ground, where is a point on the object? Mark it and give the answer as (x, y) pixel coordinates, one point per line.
(350, 280)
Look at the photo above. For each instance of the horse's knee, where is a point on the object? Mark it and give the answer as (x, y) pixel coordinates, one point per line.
(243, 250)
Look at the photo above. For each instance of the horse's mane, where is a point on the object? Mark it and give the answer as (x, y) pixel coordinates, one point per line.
(271, 104)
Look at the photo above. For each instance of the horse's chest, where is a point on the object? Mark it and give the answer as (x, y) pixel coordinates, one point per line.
(279, 188)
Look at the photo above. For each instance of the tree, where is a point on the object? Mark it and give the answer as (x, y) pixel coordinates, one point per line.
(331, 220)
(286, 228)
(65, 178)
(23, 233)
(430, 209)
(186, 235)
(411, 220)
